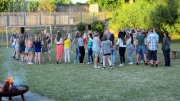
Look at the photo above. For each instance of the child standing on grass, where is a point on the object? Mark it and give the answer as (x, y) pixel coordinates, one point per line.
(90, 52)
(17, 48)
(45, 50)
(130, 47)
(106, 50)
(75, 41)
(81, 48)
(59, 47)
(67, 45)
(37, 49)
(30, 50)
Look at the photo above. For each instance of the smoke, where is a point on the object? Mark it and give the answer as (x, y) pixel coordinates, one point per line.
(19, 75)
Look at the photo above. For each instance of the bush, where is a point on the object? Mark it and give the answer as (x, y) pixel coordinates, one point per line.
(81, 27)
(97, 26)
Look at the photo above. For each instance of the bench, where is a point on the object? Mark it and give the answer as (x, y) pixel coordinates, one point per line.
(175, 54)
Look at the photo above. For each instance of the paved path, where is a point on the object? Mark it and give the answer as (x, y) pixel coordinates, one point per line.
(28, 97)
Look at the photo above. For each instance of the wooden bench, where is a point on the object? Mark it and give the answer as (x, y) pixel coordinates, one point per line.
(175, 54)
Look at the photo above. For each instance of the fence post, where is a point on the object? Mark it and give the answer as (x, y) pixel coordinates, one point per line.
(40, 18)
(55, 18)
(7, 37)
(24, 18)
(81, 17)
(68, 19)
(8, 20)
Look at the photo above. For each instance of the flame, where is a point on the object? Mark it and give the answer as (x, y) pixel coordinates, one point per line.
(10, 81)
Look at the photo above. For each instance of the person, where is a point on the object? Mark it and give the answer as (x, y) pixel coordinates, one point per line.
(108, 34)
(37, 49)
(17, 48)
(69, 35)
(130, 47)
(166, 48)
(59, 47)
(90, 51)
(26, 50)
(106, 50)
(30, 50)
(96, 48)
(121, 42)
(75, 41)
(113, 49)
(45, 50)
(140, 47)
(85, 37)
(81, 48)
(67, 45)
(48, 40)
(22, 47)
(13, 40)
(152, 44)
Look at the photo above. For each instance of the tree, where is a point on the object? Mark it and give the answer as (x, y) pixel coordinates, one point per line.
(60, 2)
(109, 5)
(47, 6)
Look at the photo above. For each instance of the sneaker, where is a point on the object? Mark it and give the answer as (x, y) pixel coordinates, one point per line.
(97, 67)
(137, 63)
(88, 63)
(146, 63)
(130, 63)
(30, 63)
(121, 65)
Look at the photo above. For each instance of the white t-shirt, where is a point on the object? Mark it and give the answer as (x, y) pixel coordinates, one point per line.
(60, 41)
(120, 42)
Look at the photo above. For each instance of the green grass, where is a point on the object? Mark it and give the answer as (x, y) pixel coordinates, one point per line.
(63, 82)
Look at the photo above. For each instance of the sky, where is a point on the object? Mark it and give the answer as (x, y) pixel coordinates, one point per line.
(82, 1)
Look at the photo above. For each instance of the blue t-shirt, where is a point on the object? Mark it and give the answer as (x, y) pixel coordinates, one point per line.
(37, 46)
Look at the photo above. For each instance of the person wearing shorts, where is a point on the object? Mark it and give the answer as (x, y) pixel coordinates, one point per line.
(96, 48)
(106, 50)
(37, 49)
(152, 44)
(45, 50)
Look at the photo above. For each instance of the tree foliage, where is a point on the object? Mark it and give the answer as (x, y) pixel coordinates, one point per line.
(109, 5)
(97, 26)
(47, 6)
(81, 27)
(162, 14)
(60, 2)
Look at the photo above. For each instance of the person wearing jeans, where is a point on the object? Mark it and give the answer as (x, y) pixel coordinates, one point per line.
(122, 48)
(113, 50)
(90, 52)
(81, 48)
(75, 41)
(67, 45)
(130, 47)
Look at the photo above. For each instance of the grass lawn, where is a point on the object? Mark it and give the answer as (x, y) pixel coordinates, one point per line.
(63, 82)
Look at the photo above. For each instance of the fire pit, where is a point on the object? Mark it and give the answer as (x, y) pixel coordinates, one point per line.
(9, 90)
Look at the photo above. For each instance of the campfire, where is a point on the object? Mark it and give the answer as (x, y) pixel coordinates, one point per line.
(10, 90)
(8, 85)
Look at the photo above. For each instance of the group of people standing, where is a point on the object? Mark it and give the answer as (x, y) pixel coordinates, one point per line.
(98, 46)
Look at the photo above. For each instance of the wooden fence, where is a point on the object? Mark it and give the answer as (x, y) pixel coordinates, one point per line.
(54, 18)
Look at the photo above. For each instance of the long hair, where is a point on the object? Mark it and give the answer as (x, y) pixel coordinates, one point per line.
(167, 35)
(131, 36)
(58, 36)
(44, 41)
(90, 35)
(112, 38)
(120, 35)
(104, 38)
